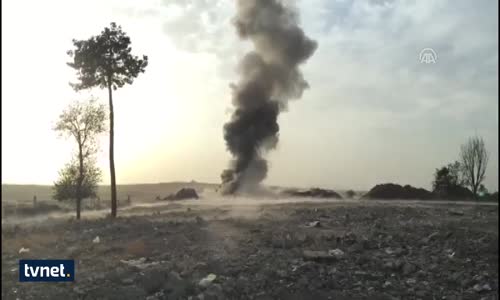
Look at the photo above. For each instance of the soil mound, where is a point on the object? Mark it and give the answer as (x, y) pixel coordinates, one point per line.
(313, 193)
(182, 194)
(396, 191)
(455, 192)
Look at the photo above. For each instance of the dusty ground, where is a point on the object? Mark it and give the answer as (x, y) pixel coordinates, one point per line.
(392, 250)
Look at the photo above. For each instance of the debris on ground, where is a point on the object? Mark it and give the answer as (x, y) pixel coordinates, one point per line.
(96, 240)
(24, 250)
(204, 282)
(140, 263)
(389, 251)
(337, 253)
(313, 224)
(480, 288)
(454, 212)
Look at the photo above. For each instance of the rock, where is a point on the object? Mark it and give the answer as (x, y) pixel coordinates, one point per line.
(156, 296)
(456, 212)
(140, 263)
(481, 288)
(337, 253)
(204, 282)
(409, 268)
(313, 224)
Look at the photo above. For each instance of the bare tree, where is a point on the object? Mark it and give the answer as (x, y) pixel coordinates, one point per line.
(83, 121)
(474, 160)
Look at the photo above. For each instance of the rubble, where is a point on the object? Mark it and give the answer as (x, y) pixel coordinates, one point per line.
(140, 263)
(388, 251)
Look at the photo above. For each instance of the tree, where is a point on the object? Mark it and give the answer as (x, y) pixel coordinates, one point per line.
(74, 185)
(449, 184)
(83, 121)
(447, 176)
(474, 160)
(105, 61)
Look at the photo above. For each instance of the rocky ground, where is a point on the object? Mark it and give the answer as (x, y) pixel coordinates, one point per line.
(363, 250)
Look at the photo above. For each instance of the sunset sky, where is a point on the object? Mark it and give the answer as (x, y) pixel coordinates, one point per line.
(373, 114)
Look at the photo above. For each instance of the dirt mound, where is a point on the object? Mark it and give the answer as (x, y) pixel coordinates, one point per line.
(396, 191)
(182, 194)
(313, 193)
(457, 193)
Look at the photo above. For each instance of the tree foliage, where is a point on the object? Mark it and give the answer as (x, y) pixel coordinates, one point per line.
(82, 121)
(67, 186)
(105, 59)
(448, 176)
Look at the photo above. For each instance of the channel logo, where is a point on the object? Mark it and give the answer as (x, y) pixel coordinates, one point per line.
(46, 270)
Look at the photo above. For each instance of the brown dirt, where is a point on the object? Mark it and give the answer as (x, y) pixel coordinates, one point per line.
(391, 251)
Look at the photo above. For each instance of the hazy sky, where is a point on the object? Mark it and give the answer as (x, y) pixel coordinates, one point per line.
(373, 114)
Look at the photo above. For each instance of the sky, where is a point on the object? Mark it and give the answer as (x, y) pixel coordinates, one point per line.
(374, 113)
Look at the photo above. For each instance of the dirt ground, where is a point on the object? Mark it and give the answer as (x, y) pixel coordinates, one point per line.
(337, 250)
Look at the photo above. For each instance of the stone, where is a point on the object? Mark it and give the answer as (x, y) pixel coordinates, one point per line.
(408, 268)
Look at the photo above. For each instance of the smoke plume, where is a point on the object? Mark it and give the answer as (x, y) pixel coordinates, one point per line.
(269, 78)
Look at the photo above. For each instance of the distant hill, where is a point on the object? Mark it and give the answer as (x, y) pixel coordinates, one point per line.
(142, 192)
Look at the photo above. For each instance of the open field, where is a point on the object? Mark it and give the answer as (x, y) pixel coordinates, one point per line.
(143, 192)
(261, 249)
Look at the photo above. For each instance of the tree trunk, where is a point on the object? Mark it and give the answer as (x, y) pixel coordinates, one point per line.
(80, 180)
(78, 207)
(111, 152)
(474, 191)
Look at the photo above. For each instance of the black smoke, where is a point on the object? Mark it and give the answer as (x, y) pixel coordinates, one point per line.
(269, 78)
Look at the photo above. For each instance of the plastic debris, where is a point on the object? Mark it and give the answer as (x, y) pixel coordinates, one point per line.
(23, 250)
(204, 282)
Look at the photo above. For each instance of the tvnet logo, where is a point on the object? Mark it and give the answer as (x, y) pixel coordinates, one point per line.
(46, 270)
